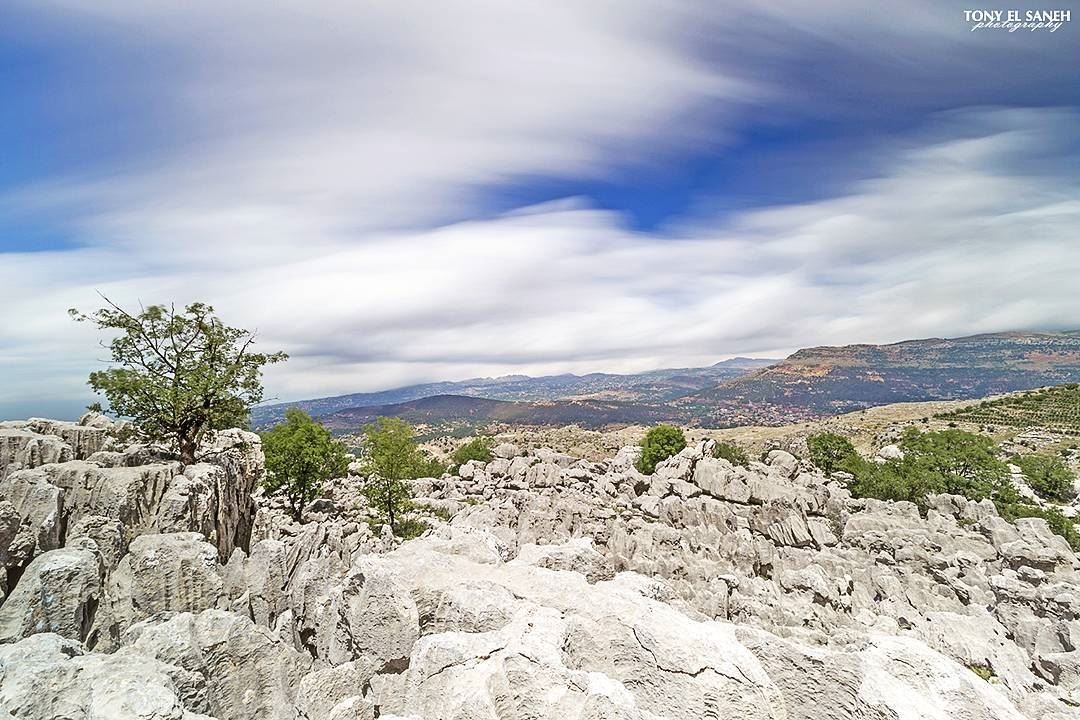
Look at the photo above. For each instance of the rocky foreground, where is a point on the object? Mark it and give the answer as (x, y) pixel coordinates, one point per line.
(136, 587)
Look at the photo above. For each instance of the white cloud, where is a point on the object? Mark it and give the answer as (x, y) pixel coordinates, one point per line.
(334, 155)
(566, 288)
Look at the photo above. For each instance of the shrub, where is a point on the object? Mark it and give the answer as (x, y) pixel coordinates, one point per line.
(1048, 476)
(957, 462)
(430, 466)
(301, 456)
(411, 527)
(831, 452)
(180, 374)
(732, 453)
(477, 449)
(660, 443)
(946, 461)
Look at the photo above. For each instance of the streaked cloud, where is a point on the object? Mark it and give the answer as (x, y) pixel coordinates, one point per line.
(326, 184)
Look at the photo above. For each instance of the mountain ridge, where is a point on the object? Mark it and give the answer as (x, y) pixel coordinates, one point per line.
(810, 383)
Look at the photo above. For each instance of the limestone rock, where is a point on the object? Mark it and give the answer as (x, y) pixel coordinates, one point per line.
(58, 593)
(47, 677)
(175, 572)
(248, 672)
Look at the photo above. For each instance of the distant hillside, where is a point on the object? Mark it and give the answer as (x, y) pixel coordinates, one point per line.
(830, 380)
(810, 384)
(647, 387)
(459, 411)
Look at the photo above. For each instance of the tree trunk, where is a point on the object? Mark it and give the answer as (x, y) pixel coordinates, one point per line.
(188, 446)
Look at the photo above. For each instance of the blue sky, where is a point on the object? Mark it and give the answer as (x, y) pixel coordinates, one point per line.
(399, 193)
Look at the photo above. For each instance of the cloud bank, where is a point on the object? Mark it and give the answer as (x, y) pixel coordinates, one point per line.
(326, 183)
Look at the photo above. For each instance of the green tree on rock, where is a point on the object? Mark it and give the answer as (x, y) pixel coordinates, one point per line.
(831, 452)
(957, 462)
(180, 375)
(391, 459)
(476, 449)
(301, 455)
(660, 443)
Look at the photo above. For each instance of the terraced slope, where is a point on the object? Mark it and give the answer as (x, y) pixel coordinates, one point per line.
(1056, 409)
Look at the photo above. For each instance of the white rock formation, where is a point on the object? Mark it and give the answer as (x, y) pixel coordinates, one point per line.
(560, 588)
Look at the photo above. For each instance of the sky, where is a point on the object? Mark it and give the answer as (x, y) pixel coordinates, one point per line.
(399, 192)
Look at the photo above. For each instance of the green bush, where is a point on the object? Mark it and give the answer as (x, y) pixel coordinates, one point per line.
(831, 452)
(957, 462)
(945, 461)
(660, 443)
(732, 453)
(477, 449)
(1048, 476)
(429, 466)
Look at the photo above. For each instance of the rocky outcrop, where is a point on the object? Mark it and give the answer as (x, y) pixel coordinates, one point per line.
(63, 481)
(558, 588)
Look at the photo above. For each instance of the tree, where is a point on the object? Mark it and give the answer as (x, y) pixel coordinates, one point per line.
(660, 443)
(831, 452)
(180, 374)
(1048, 476)
(731, 452)
(957, 462)
(391, 459)
(476, 449)
(301, 455)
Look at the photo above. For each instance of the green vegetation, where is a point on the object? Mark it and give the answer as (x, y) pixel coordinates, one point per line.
(436, 510)
(660, 443)
(948, 461)
(831, 452)
(429, 466)
(301, 455)
(391, 459)
(181, 374)
(1048, 476)
(956, 462)
(476, 449)
(984, 671)
(732, 453)
(1056, 408)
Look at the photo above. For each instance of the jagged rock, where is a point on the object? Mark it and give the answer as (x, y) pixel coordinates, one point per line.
(40, 508)
(108, 535)
(721, 479)
(783, 462)
(248, 673)
(23, 449)
(175, 572)
(369, 617)
(47, 677)
(507, 451)
(576, 556)
(256, 583)
(58, 593)
(335, 693)
(514, 606)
